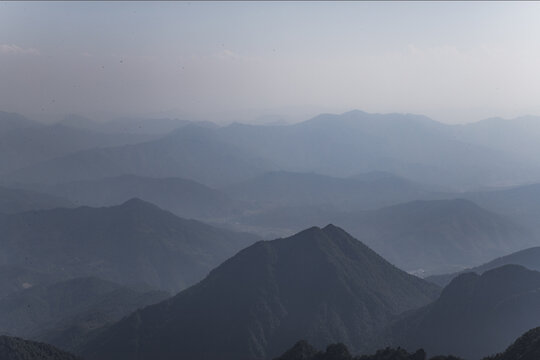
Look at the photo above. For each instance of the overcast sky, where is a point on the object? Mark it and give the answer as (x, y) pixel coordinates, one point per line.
(453, 61)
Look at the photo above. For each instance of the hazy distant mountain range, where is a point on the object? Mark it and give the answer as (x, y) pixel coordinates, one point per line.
(130, 243)
(101, 221)
(529, 258)
(192, 152)
(338, 145)
(19, 200)
(428, 237)
(183, 197)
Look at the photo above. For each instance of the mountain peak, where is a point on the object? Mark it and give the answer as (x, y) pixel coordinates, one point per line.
(320, 284)
(135, 201)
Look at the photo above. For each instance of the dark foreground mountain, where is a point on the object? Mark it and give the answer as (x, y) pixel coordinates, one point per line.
(13, 348)
(62, 313)
(18, 200)
(302, 350)
(529, 258)
(526, 347)
(320, 284)
(475, 315)
(183, 197)
(130, 243)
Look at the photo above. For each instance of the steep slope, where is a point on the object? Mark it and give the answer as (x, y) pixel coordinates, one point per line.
(475, 315)
(431, 236)
(526, 347)
(320, 284)
(183, 197)
(62, 313)
(529, 258)
(130, 243)
(13, 348)
(19, 200)
(192, 152)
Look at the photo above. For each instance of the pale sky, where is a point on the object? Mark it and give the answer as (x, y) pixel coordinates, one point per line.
(453, 61)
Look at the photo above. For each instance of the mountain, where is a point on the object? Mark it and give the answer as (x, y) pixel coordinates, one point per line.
(526, 347)
(143, 126)
(13, 348)
(19, 200)
(192, 152)
(521, 203)
(126, 125)
(320, 284)
(29, 146)
(304, 351)
(183, 197)
(529, 258)
(518, 136)
(411, 146)
(130, 243)
(475, 315)
(303, 189)
(431, 236)
(14, 279)
(62, 313)
(425, 237)
(14, 121)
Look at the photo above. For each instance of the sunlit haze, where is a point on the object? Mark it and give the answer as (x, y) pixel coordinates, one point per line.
(223, 61)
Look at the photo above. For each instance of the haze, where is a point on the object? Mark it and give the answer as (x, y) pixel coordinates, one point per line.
(455, 62)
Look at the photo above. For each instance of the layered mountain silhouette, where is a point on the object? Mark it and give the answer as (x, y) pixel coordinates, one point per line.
(19, 200)
(126, 125)
(183, 197)
(365, 191)
(426, 237)
(130, 243)
(13, 348)
(320, 284)
(12, 121)
(23, 147)
(521, 203)
(412, 146)
(476, 315)
(63, 313)
(430, 236)
(192, 152)
(518, 136)
(529, 258)
(14, 279)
